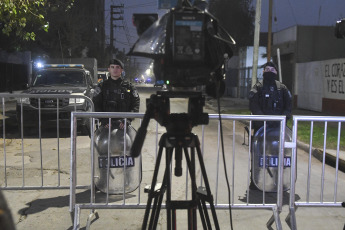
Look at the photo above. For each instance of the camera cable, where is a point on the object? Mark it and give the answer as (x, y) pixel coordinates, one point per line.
(223, 155)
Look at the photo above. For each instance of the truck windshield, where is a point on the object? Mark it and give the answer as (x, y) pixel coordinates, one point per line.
(58, 78)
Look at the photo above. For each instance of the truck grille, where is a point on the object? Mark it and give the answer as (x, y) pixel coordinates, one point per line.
(49, 102)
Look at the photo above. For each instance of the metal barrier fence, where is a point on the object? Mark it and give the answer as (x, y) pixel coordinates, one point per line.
(326, 193)
(65, 160)
(30, 161)
(233, 155)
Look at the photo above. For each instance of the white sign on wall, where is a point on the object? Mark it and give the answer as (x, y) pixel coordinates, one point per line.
(334, 78)
(309, 84)
(317, 80)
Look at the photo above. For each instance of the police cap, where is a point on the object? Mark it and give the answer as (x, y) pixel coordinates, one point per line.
(116, 62)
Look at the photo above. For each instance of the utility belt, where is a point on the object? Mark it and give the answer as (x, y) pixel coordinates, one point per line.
(116, 106)
(121, 93)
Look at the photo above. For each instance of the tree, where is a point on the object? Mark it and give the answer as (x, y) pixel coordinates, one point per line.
(20, 20)
(237, 17)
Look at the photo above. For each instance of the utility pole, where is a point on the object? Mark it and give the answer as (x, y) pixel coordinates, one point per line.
(269, 40)
(256, 41)
(118, 11)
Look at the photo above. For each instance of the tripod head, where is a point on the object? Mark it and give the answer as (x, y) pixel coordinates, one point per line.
(179, 124)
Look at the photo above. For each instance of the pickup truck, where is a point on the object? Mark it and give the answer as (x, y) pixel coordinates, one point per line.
(59, 79)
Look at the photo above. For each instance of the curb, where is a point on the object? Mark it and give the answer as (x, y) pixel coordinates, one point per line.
(330, 159)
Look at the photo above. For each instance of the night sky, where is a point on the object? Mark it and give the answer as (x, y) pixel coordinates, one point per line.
(302, 12)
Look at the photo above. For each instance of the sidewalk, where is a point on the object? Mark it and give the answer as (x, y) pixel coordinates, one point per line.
(228, 103)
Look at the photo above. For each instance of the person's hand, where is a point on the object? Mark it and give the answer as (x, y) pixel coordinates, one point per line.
(122, 123)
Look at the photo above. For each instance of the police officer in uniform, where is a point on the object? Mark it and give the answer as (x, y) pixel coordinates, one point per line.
(269, 97)
(116, 95)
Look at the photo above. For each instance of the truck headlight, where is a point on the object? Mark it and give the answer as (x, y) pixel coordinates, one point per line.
(24, 100)
(76, 101)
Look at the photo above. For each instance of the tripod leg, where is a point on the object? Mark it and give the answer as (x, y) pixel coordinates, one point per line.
(192, 218)
(191, 168)
(169, 152)
(207, 185)
(204, 215)
(155, 211)
(152, 189)
(173, 213)
(159, 198)
(201, 203)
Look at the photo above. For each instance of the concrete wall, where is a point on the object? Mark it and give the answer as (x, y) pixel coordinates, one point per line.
(321, 86)
(317, 44)
(299, 45)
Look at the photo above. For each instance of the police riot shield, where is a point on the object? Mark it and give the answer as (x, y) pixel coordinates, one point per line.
(124, 171)
(268, 176)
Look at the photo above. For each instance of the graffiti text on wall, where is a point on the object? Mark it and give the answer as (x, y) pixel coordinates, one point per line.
(335, 77)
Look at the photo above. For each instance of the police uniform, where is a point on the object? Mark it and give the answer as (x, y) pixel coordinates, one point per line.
(116, 96)
(269, 97)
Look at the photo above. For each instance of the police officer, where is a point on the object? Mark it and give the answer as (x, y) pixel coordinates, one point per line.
(116, 95)
(269, 97)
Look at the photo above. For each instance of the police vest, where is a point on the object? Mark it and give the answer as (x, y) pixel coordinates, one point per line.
(271, 99)
(117, 99)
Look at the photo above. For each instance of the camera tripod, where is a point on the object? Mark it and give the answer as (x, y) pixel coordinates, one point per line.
(199, 195)
(177, 140)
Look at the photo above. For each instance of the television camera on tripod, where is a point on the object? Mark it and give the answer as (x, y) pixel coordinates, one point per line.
(187, 46)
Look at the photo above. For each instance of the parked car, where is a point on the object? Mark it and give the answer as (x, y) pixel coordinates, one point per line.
(159, 83)
(56, 79)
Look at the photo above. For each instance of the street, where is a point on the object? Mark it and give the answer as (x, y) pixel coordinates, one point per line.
(48, 208)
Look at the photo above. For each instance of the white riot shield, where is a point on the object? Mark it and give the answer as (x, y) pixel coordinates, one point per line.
(124, 170)
(268, 175)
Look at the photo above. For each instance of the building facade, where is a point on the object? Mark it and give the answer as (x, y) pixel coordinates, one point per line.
(313, 67)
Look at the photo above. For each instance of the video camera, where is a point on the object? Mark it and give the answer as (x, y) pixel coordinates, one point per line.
(187, 45)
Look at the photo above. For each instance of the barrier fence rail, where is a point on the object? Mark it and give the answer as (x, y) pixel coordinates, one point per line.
(274, 205)
(332, 198)
(13, 102)
(328, 193)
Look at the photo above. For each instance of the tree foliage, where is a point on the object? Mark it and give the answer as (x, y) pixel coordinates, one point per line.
(20, 20)
(74, 34)
(237, 17)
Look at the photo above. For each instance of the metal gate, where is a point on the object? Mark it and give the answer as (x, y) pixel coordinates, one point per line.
(26, 143)
(328, 182)
(234, 156)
